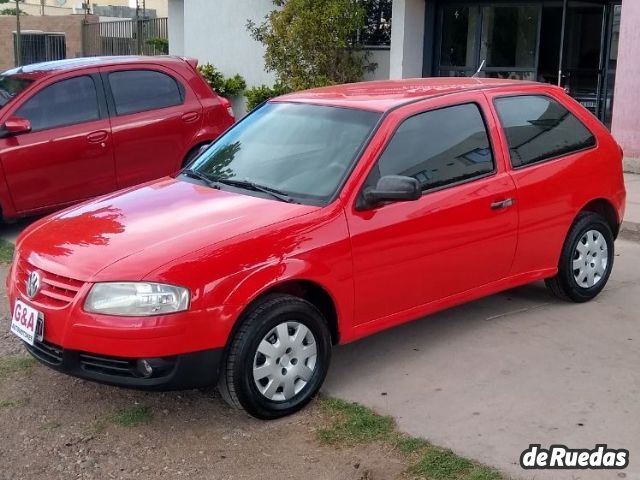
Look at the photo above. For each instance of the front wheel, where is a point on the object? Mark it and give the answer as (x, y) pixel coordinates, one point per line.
(278, 358)
(586, 260)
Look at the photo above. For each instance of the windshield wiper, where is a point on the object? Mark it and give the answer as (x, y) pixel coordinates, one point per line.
(274, 192)
(200, 176)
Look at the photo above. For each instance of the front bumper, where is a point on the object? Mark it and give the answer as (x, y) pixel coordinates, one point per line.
(189, 370)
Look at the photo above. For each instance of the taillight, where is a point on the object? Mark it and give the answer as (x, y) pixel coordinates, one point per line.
(227, 104)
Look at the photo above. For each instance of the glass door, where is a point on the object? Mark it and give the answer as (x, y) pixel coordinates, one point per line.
(610, 64)
(502, 39)
(582, 71)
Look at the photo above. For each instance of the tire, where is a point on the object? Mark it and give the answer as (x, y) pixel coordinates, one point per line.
(586, 280)
(279, 335)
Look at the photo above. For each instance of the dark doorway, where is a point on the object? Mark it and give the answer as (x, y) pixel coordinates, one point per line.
(550, 39)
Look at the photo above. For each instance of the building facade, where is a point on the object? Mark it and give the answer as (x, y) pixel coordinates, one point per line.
(590, 47)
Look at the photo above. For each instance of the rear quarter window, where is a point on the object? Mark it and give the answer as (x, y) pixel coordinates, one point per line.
(539, 128)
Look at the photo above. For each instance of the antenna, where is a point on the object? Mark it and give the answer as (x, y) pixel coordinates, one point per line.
(475, 75)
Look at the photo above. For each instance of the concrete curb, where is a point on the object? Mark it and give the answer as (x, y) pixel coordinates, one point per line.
(630, 231)
(631, 165)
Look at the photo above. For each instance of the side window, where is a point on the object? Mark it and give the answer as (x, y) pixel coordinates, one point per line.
(66, 102)
(538, 128)
(142, 90)
(438, 148)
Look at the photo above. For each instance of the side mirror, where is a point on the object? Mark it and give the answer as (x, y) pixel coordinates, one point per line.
(16, 126)
(392, 188)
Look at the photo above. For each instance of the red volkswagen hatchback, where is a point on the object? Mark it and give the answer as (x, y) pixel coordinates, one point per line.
(323, 217)
(75, 129)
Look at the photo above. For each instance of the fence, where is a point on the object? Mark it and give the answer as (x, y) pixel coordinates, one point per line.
(36, 46)
(126, 37)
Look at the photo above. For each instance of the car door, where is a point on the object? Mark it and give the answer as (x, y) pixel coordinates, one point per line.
(154, 118)
(68, 154)
(460, 235)
(554, 166)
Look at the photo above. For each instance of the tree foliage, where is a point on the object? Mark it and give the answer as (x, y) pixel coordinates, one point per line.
(226, 87)
(312, 43)
(11, 11)
(257, 95)
(160, 44)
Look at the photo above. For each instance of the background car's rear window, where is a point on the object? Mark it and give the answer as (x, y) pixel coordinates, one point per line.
(539, 128)
(141, 90)
(438, 147)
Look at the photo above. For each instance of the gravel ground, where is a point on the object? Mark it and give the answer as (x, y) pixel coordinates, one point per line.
(56, 427)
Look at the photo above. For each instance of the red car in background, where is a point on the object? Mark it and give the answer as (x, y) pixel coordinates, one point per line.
(75, 129)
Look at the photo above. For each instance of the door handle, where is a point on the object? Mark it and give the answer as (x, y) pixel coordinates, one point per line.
(501, 204)
(97, 137)
(190, 117)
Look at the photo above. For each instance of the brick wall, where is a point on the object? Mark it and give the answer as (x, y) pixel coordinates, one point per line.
(71, 25)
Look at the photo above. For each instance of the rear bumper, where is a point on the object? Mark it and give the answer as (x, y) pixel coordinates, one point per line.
(189, 370)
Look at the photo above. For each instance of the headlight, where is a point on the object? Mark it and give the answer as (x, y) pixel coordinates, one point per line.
(136, 299)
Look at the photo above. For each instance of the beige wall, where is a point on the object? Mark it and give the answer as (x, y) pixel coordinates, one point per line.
(33, 7)
(71, 25)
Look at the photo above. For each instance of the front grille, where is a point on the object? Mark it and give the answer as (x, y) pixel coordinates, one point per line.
(46, 352)
(120, 367)
(56, 291)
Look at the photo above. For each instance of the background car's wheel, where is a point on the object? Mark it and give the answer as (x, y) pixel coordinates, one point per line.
(586, 260)
(277, 359)
(194, 153)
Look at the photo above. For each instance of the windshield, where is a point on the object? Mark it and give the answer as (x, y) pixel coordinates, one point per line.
(303, 151)
(10, 86)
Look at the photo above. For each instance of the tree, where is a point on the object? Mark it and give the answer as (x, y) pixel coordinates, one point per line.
(311, 43)
(10, 11)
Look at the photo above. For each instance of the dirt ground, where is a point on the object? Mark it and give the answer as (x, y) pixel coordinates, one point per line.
(57, 427)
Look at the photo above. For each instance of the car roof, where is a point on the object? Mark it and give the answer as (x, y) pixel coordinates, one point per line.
(43, 69)
(387, 94)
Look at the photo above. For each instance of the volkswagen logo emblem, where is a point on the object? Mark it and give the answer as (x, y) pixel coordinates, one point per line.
(33, 284)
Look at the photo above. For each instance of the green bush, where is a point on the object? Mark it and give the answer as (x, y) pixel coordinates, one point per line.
(312, 43)
(13, 11)
(160, 44)
(225, 87)
(256, 95)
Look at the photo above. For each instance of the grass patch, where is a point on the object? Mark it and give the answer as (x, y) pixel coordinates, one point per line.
(15, 364)
(133, 416)
(52, 425)
(409, 445)
(6, 251)
(11, 403)
(351, 424)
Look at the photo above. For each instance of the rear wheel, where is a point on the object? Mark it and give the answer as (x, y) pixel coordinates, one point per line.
(586, 260)
(277, 359)
(194, 153)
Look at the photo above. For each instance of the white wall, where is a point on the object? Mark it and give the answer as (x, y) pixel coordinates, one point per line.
(407, 38)
(381, 56)
(176, 27)
(216, 33)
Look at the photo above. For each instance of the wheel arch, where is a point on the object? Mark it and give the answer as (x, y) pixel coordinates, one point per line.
(308, 290)
(605, 209)
(201, 143)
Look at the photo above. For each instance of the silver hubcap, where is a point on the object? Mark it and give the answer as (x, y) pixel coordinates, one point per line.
(285, 361)
(590, 259)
